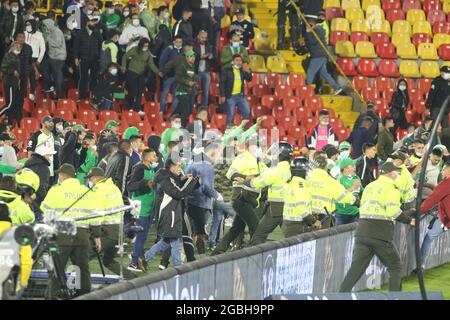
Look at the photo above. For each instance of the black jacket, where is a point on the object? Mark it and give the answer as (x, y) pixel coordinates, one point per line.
(227, 81)
(197, 49)
(248, 32)
(102, 140)
(170, 202)
(137, 181)
(105, 88)
(184, 30)
(7, 25)
(39, 165)
(375, 124)
(314, 47)
(365, 170)
(26, 60)
(87, 47)
(163, 39)
(68, 152)
(119, 169)
(439, 91)
(10, 63)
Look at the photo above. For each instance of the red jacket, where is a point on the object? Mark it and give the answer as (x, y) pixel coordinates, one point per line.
(441, 196)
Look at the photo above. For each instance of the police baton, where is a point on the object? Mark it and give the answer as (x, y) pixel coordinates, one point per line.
(328, 216)
(100, 262)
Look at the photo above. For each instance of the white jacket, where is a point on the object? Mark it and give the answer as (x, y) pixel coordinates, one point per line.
(130, 32)
(37, 43)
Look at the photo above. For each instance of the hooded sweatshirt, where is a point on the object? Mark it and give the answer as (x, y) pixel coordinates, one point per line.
(55, 40)
(36, 41)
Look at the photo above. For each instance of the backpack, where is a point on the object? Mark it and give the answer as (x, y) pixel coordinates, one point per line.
(105, 59)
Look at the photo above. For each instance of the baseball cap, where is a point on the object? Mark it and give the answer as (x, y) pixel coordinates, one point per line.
(131, 131)
(240, 11)
(95, 172)
(44, 150)
(388, 167)
(68, 170)
(445, 69)
(67, 125)
(345, 145)
(189, 53)
(79, 127)
(438, 146)
(324, 112)
(5, 137)
(46, 118)
(344, 163)
(111, 123)
(398, 155)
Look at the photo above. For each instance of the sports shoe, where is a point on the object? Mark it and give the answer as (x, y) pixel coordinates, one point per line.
(162, 267)
(141, 113)
(141, 264)
(50, 90)
(338, 92)
(31, 97)
(133, 267)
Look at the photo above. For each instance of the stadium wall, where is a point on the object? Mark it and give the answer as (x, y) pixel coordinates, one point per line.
(315, 262)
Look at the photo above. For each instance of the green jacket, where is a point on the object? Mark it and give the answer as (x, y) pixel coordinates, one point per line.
(239, 132)
(385, 144)
(113, 49)
(89, 163)
(150, 22)
(139, 61)
(349, 209)
(226, 56)
(184, 72)
(111, 21)
(168, 135)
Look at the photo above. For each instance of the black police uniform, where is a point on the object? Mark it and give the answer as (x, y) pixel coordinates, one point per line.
(439, 91)
(285, 8)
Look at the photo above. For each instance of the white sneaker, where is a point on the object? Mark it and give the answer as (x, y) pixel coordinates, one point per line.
(336, 93)
(228, 222)
(31, 97)
(141, 113)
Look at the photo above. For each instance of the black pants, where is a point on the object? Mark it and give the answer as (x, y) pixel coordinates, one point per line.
(199, 217)
(184, 108)
(52, 74)
(88, 77)
(294, 21)
(12, 99)
(33, 78)
(135, 88)
(435, 113)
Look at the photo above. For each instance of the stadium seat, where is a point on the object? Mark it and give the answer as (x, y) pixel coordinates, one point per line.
(446, 7)
(48, 104)
(360, 82)
(340, 24)
(350, 4)
(250, 84)
(394, 15)
(374, 13)
(96, 125)
(257, 63)
(411, 83)
(422, 27)
(30, 124)
(39, 113)
(441, 27)
(303, 113)
(429, 5)
(258, 111)
(388, 68)
(379, 37)
(444, 51)
(367, 67)
(386, 51)
(331, 13)
(276, 64)
(366, 3)
(336, 36)
(131, 117)
(282, 91)
(387, 94)
(156, 120)
(391, 4)
(414, 15)
(401, 26)
(269, 101)
(400, 38)
(106, 115)
(144, 127)
(423, 85)
(151, 107)
(369, 94)
(331, 4)
(352, 14)
(67, 104)
(381, 26)
(87, 115)
(268, 122)
(411, 4)
(252, 100)
(409, 69)
(365, 49)
(358, 36)
(429, 69)
(406, 51)
(427, 51)
(345, 49)
(291, 103)
(441, 38)
(287, 122)
(315, 103)
(383, 83)
(272, 80)
(419, 38)
(360, 25)
(304, 91)
(295, 81)
(436, 16)
(347, 66)
(261, 90)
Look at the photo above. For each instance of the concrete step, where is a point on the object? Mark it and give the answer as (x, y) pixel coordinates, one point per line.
(338, 103)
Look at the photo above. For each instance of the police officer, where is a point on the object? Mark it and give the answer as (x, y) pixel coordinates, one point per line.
(380, 206)
(70, 195)
(285, 8)
(297, 214)
(405, 182)
(28, 183)
(17, 254)
(439, 91)
(326, 191)
(244, 198)
(275, 178)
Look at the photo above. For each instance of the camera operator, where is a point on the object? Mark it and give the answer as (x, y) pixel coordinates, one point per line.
(71, 144)
(74, 201)
(19, 211)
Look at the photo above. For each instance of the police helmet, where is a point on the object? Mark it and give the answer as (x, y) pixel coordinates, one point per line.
(300, 167)
(283, 150)
(27, 182)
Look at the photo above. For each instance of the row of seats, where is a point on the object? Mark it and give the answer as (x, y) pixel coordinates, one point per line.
(382, 84)
(386, 4)
(389, 68)
(399, 26)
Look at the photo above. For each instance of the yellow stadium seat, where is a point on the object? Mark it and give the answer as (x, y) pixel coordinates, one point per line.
(409, 69)
(257, 63)
(352, 14)
(401, 26)
(367, 3)
(295, 67)
(381, 26)
(414, 15)
(441, 38)
(276, 64)
(422, 27)
(446, 7)
(340, 24)
(344, 49)
(429, 69)
(445, 63)
(365, 49)
(427, 51)
(264, 44)
(406, 51)
(331, 4)
(225, 22)
(350, 4)
(360, 25)
(400, 38)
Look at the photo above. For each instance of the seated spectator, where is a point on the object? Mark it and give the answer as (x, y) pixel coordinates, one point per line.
(107, 87)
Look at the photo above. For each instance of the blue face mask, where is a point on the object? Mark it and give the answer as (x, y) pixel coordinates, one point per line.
(258, 153)
(177, 125)
(235, 44)
(2, 150)
(113, 71)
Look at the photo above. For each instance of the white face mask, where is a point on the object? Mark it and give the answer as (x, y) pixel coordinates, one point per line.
(235, 44)
(16, 52)
(90, 184)
(154, 165)
(89, 12)
(136, 22)
(59, 129)
(446, 76)
(15, 9)
(126, 13)
(258, 153)
(345, 154)
(29, 29)
(110, 11)
(177, 125)
(324, 123)
(113, 71)
(144, 49)
(402, 88)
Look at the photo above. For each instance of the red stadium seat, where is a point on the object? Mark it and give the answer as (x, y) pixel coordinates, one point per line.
(444, 51)
(287, 122)
(30, 124)
(411, 4)
(423, 85)
(254, 82)
(303, 113)
(386, 50)
(415, 95)
(394, 15)
(336, 36)
(21, 135)
(295, 81)
(419, 38)
(441, 27)
(39, 113)
(67, 104)
(387, 95)
(282, 91)
(220, 120)
(379, 37)
(131, 117)
(73, 94)
(97, 125)
(429, 5)
(434, 16)
(369, 94)
(348, 66)
(67, 115)
(419, 107)
(84, 105)
(331, 13)
(292, 103)
(151, 107)
(367, 67)
(314, 103)
(380, 104)
(383, 83)
(388, 68)
(410, 83)
(358, 36)
(260, 90)
(269, 101)
(144, 127)
(27, 105)
(86, 115)
(391, 4)
(361, 82)
(281, 112)
(154, 120)
(304, 91)
(46, 103)
(106, 115)
(296, 133)
(267, 122)
(252, 100)
(259, 111)
(272, 80)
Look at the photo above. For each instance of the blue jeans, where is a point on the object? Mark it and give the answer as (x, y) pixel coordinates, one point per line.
(239, 101)
(205, 79)
(432, 234)
(168, 84)
(106, 104)
(345, 219)
(141, 237)
(320, 65)
(162, 245)
(220, 210)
